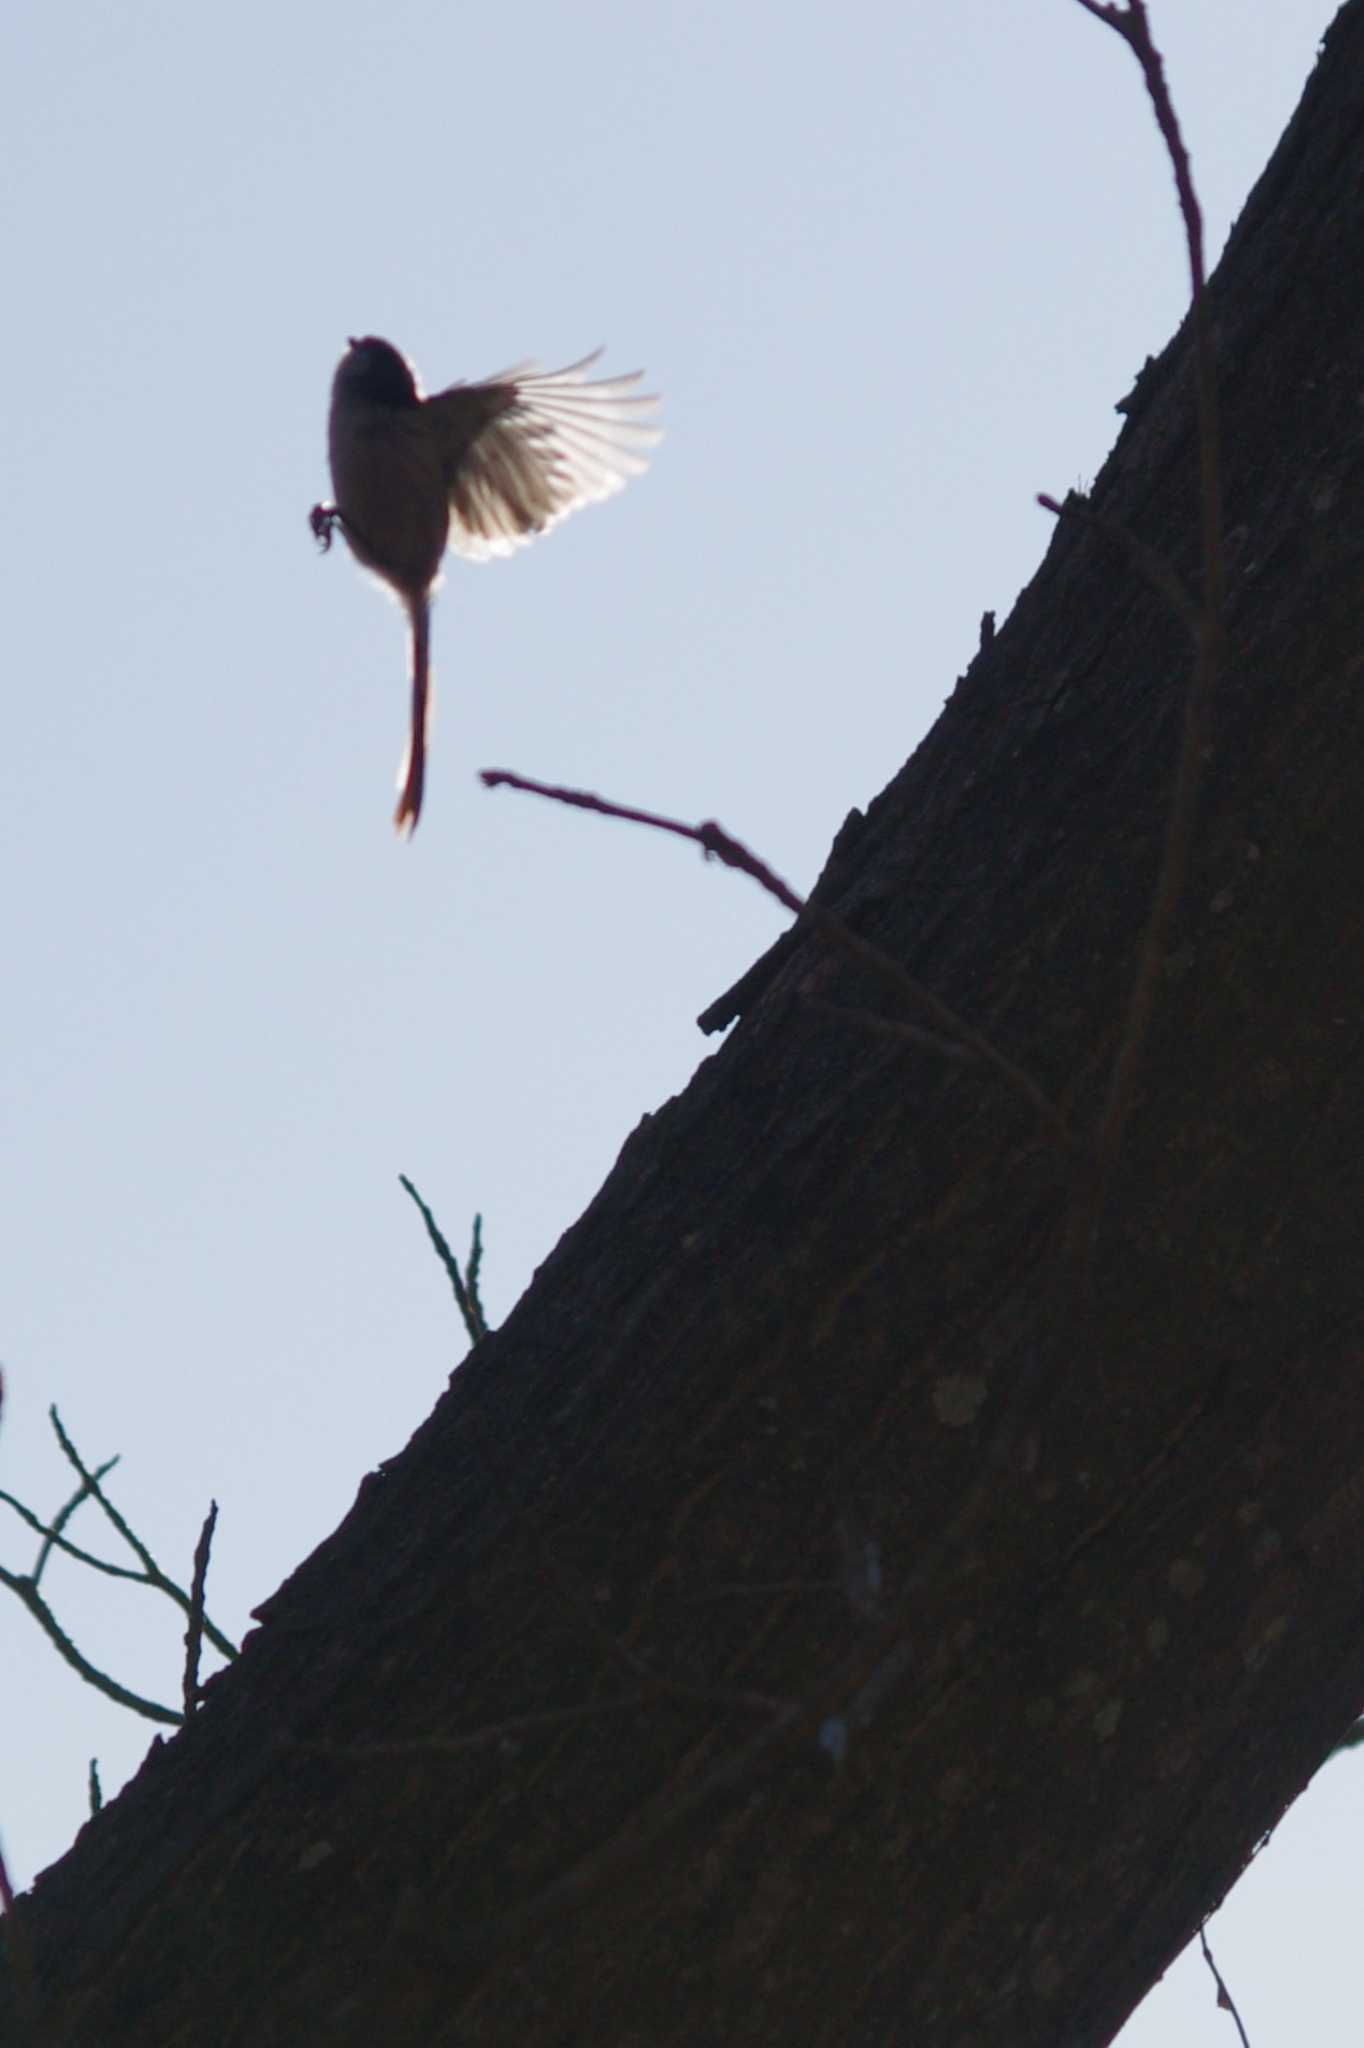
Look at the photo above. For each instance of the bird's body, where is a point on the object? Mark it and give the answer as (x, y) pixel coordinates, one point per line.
(479, 467)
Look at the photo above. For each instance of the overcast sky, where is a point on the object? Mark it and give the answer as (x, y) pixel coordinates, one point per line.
(891, 266)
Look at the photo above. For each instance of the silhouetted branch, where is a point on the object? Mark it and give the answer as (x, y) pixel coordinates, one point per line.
(466, 1291)
(194, 1632)
(1224, 1997)
(25, 1591)
(714, 840)
(1130, 22)
(26, 1586)
(1147, 561)
(152, 1574)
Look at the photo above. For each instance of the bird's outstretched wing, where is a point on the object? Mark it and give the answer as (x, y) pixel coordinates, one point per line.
(522, 450)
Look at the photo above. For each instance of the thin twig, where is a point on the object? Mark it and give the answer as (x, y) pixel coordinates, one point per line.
(469, 1305)
(52, 1536)
(481, 1738)
(640, 1667)
(25, 1591)
(710, 837)
(714, 840)
(1162, 575)
(473, 1266)
(194, 1632)
(626, 1848)
(555, 1570)
(1130, 22)
(1224, 1997)
(25, 1587)
(947, 1020)
(49, 1531)
(152, 1574)
(890, 1027)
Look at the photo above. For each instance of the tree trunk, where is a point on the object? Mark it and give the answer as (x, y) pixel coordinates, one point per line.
(832, 1610)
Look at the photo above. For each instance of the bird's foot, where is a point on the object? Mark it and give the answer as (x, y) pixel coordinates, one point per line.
(323, 519)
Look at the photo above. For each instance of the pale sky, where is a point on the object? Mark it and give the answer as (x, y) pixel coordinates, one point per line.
(891, 266)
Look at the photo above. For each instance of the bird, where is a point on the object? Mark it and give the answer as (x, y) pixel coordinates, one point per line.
(480, 468)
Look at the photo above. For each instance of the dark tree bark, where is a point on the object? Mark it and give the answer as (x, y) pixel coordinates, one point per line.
(829, 1612)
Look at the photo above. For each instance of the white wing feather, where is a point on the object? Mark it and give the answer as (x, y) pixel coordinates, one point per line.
(558, 440)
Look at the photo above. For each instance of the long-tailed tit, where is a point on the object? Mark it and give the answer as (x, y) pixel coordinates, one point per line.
(481, 468)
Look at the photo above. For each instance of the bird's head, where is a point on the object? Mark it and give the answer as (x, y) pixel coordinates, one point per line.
(374, 370)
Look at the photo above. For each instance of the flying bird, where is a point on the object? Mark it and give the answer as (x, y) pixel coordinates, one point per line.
(481, 468)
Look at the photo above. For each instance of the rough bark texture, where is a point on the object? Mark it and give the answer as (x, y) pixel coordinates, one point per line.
(924, 1631)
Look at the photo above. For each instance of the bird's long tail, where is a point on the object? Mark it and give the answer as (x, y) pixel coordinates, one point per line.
(412, 774)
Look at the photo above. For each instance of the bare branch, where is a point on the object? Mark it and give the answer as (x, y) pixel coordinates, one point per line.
(1224, 1997)
(152, 1574)
(194, 1632)
(1130, 22)
(709, 837)
(1147, 561)
(25, 1590)
(473, 1267)
(53, 1533)
(466, 1294)
(714, 840)
(49, 1531)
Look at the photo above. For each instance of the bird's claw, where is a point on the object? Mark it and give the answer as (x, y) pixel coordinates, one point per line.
(323, 520)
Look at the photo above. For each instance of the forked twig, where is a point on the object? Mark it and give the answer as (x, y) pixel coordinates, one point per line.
(465, 1289)
(152, 1574)
(26, 1586)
